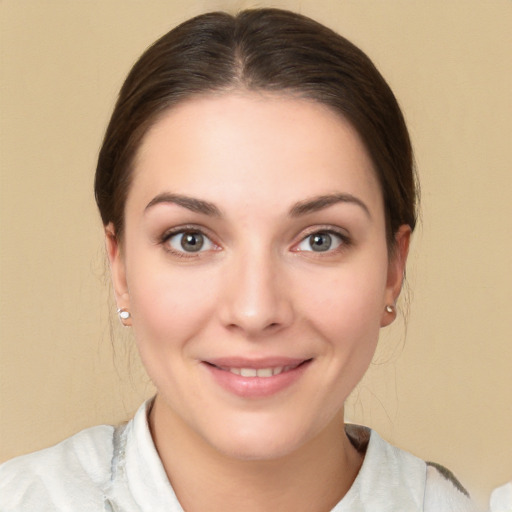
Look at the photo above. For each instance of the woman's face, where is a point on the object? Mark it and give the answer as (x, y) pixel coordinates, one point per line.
(255, 267)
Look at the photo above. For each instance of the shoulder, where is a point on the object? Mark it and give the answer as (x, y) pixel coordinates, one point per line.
(443, 492)
(58, 478)
(392, 479)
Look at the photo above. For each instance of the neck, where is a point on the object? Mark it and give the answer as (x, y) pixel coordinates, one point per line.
(320, 472)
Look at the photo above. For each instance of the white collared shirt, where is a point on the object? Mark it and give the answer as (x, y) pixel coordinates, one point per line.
(118, 470)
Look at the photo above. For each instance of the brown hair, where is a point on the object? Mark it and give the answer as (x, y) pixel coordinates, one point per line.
(259, 50)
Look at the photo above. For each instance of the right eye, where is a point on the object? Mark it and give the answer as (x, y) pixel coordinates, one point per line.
(189, 241)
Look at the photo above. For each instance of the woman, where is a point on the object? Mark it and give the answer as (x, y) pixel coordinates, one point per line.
(257, 190)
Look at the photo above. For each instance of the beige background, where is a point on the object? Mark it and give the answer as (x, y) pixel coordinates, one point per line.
(443, 391)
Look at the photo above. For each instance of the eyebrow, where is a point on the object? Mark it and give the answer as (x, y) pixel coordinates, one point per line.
(321, 202)
(190, 203)
(298, 209)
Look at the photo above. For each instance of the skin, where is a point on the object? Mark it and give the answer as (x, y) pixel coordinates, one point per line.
(256, 289)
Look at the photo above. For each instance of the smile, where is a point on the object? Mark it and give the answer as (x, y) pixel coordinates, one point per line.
(251, 379)
(260, 372)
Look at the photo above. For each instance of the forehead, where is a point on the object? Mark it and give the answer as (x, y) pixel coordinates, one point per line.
(256, 148)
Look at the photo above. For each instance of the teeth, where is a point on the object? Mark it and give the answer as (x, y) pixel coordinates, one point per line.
(260, 372)
(248, 372)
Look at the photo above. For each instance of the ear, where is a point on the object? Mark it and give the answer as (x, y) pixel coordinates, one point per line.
(117, 270)
(396, 271)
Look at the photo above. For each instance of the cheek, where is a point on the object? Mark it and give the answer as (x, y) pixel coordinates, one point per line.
(349, 300)
(346, 308)
(169, 305)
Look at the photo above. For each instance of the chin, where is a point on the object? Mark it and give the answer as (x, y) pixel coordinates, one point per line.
(259, 441)
(257, 449)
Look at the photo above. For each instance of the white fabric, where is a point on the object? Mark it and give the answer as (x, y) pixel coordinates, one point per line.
(501, 498)
(118, 470)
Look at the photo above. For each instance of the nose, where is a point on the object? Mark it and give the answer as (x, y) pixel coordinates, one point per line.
(256, 299)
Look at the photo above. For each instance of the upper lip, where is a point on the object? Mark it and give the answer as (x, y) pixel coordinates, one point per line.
(267, 362)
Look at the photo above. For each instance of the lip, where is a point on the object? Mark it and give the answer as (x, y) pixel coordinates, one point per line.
(256, 387)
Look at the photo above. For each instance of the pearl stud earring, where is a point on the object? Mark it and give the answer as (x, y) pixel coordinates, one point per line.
(123, 313)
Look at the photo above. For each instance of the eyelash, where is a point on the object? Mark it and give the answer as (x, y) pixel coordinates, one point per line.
(344, 241)
(195, 230)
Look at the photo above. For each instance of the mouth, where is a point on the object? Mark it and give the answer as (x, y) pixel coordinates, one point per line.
(257, 379)
(265, 372)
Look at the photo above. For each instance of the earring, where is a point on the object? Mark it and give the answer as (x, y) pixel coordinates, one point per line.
(390, 308)
(123, 313)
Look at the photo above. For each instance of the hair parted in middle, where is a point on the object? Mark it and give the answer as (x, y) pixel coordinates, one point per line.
(260, 50)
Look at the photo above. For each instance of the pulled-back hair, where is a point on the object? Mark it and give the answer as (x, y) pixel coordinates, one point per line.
(265, 50)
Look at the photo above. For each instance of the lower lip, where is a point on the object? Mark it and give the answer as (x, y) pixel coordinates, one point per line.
(256, 387)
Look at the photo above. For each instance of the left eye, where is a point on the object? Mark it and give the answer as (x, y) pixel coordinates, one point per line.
(321, 241)
(190, 242)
